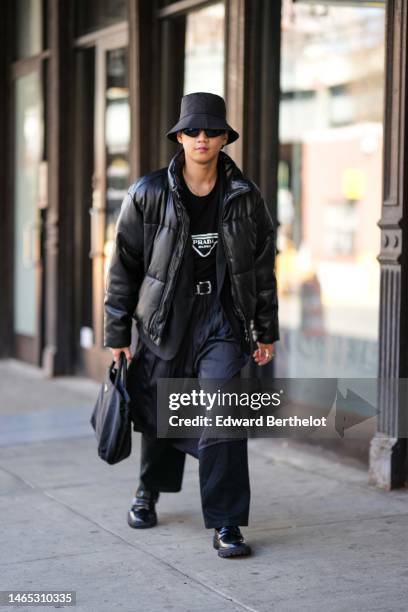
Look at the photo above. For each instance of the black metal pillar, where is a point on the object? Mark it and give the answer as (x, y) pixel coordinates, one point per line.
(259, 110)
(6, 200)
(59, 349)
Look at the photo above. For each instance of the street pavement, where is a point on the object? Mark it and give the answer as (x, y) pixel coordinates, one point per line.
(322, 538)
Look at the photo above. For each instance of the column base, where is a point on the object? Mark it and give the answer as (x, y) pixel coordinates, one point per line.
(388, 462)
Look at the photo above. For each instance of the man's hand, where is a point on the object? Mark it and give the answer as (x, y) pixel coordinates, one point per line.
(263, 354)
(117, 351)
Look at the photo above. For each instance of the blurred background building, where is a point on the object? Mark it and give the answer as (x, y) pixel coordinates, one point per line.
(317, 92)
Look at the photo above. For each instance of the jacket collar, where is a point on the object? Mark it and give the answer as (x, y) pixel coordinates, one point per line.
(235, 182)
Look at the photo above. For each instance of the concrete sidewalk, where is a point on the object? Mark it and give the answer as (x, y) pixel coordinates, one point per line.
(323, 539)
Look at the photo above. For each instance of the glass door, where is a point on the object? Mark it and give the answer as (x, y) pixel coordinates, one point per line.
(28, 153)
(111, 177)
(204, 54)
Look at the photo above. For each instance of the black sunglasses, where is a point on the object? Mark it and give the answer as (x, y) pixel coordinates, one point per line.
(209, 133)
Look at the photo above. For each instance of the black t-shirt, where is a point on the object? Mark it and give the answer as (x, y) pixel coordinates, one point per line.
(203, 213)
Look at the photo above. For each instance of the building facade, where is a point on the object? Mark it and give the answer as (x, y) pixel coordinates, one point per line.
(316, 91)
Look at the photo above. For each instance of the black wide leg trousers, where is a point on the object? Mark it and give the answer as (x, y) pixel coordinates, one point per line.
(209, 350)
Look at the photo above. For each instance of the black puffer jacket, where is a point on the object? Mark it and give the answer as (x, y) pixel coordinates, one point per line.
(152, 232)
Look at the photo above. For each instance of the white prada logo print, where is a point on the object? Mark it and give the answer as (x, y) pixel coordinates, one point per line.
(203, 244)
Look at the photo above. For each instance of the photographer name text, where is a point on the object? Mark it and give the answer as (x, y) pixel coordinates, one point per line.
(259, 421)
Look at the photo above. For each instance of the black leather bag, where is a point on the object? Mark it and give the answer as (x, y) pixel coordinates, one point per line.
(111, 418)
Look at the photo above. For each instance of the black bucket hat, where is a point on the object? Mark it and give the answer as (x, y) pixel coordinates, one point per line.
(202, 110)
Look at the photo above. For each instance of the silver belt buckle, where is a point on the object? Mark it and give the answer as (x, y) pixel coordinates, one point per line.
(198, 288)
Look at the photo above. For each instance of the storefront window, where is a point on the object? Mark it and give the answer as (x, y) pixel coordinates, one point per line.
(29, 132)
(204, 51)
(330, 186)
(95, 14)
(29, 28)
(117, 138)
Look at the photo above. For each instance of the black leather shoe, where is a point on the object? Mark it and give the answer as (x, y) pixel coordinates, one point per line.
(142, 514)
(230, 542)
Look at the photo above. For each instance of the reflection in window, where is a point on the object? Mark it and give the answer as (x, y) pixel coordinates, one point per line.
(339, 228)
(29, 30)
(329, 189)
(204, 49)
(117, 138)
(29, 136)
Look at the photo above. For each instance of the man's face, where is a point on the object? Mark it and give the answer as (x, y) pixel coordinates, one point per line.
(201, 148)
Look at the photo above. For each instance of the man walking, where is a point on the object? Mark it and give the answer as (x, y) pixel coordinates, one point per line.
(193, 264)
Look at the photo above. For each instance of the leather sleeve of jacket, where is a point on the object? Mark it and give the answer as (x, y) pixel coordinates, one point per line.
(266, 314)
(125, 275)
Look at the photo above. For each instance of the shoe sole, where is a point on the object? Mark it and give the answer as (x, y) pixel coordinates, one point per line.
(238, 551)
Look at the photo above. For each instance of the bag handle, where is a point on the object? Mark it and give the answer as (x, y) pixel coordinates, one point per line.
(121, 371)
(124, 369)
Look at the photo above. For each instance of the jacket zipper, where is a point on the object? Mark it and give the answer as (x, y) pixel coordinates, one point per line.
(236, 305)
(173, 285)
(171, 291)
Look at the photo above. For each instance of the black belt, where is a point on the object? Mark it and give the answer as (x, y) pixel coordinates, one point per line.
(205, 287)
